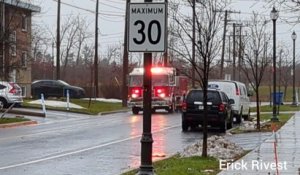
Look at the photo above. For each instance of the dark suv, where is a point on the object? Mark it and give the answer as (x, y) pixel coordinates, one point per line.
(218, 109)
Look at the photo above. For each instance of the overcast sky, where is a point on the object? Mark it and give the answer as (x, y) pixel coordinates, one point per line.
(111, 18)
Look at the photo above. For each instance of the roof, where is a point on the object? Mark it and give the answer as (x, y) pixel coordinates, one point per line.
(24, 5)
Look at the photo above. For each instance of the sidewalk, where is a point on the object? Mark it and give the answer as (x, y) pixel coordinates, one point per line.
(262, 160)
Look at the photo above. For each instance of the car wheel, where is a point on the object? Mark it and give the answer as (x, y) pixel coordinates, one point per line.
(230, 122)
(153, 110)
(247, 116)
(194, 126)
(239, 116)
(223, 126)
(3, 103)
(135, 110)
(184, 126)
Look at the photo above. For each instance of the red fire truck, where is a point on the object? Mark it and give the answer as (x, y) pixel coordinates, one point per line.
(167, 89)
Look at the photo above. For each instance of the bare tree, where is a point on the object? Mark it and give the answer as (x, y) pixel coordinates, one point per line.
(208, 25)
(256, 58)
(285, 67)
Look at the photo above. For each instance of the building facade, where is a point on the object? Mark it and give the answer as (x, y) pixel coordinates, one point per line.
(15, 45)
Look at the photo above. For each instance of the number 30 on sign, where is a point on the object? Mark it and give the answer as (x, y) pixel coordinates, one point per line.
(147, 27)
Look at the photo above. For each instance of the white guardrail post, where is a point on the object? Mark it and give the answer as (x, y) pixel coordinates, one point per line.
(68, 100)
(43, 104)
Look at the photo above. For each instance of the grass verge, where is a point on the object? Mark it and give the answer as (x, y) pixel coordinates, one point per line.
(267, 126)
(282, 108)
(195, 165)
(93, 108)
(12, 120)
(184, 166)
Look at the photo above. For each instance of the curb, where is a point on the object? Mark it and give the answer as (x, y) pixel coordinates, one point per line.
(10, 125)
(114, 112)
(28, 113)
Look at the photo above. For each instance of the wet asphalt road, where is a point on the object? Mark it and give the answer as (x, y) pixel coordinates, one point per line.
(76, 144)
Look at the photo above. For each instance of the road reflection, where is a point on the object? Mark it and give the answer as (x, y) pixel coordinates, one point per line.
(159, 144)
(159, 122)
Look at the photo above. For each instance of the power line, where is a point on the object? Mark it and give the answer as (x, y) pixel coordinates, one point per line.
(80, 8)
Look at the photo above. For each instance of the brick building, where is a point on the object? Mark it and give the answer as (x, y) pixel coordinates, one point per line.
(15, 42)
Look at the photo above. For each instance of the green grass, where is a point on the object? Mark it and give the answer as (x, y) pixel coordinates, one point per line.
(184, 166)
(93, 108)
(269, 108)
(12, 120)
(265, 92)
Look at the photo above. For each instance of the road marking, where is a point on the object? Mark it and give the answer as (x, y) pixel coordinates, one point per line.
(80, 151)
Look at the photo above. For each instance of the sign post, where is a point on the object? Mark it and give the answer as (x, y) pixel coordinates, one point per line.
(147, 33)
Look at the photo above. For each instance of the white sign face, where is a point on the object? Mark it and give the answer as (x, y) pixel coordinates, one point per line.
(147, 27)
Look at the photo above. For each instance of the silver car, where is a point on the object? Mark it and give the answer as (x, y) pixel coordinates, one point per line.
(10, 93)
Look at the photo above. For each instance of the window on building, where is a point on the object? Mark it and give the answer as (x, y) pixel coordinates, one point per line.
(24, 22)
(13, 50)
(13, 37)
(24, 59)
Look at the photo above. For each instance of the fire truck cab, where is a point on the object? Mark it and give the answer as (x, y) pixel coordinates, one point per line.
(167, 89)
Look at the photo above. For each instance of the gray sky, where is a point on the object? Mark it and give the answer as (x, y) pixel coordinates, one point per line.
(111, 19)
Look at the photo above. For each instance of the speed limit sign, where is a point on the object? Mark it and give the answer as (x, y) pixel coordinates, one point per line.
(147, 27)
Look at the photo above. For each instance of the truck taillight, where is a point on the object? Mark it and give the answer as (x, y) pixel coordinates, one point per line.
(135, 93)
(221, 107)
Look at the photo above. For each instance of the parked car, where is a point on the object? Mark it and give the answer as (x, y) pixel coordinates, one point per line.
(218, 113)
(55, 88)
(237, 91)
(10, 93)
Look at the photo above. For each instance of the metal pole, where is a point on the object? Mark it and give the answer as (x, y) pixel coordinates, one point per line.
(274, 116)
(146, 167)
(294, 75)
(193, 44)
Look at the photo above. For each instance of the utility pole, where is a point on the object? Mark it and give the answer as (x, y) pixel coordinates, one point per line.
(221, 76)
(193, 44)
(234, 50)
(223, 46)
(240, 54)
(58, 42)
(166, 55)
(233, 53)
(96, 52)
(125, 60)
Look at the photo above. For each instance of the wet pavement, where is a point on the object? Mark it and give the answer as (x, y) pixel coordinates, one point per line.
(279, 154)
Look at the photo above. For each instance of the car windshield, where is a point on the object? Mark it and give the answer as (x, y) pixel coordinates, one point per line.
(160, 80)
(197, 95)
(62, 82)
(136, 80)
(157, 80)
